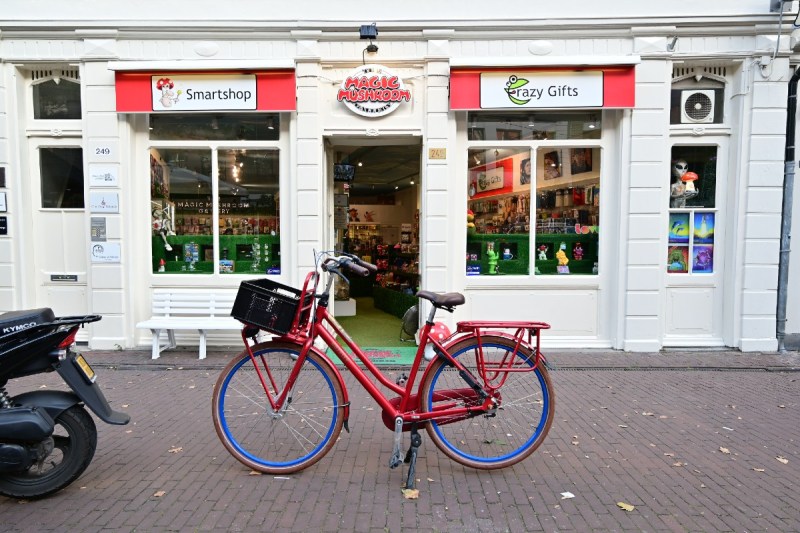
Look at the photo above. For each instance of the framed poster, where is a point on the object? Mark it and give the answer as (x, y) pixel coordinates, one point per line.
(580, 160)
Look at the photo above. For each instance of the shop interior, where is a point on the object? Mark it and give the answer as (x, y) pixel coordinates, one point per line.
(376, 216)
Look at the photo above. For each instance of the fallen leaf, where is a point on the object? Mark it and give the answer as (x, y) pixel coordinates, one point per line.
(575, 443)
(160, 493)
(567, 495)
(782, 406)
(176, 450)
(669, 454)
(758, 469)
(254, 473)
(124, 405)
(411, 494)
(647, 413)
(782, 459)
(431, 480)
(679, 464)
(623, 426)
(625, 506)
(724, 450)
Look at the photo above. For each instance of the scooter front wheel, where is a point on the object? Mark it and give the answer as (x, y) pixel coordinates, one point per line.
(62, 458)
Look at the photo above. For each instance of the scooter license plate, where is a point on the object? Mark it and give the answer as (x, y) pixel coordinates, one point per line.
(87, 370)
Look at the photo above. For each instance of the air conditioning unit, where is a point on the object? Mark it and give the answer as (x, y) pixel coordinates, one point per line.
(697, 106)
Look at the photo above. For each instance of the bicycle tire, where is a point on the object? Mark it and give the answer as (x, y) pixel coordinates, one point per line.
(521, 422)
(278, 442)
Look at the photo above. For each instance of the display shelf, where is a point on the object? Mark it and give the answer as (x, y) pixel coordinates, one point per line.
(239, 252)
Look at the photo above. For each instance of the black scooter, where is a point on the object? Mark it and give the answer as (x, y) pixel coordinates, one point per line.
(47, 438)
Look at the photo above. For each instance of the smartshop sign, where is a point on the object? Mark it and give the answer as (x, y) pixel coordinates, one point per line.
(199, 92)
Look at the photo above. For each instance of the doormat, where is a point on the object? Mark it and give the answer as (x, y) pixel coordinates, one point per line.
(389, 356)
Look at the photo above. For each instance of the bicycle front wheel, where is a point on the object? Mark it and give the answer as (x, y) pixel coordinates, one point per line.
(526, 406)
(288, 439)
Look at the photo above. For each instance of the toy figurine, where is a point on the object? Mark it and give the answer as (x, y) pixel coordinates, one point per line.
(543, 252)
(577, 251)
(561, 255)
(682, 187)
(492, 256)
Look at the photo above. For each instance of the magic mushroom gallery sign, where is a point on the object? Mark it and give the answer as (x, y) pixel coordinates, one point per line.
(373, 91)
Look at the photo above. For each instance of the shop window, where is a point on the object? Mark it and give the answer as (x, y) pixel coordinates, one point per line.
(692, 215)
(499, 215)
(489, 126)
(61, 171)
(249, 227)
(552, 191)
(567, 210)
(185, 238)
(211, 127)
(56, 95)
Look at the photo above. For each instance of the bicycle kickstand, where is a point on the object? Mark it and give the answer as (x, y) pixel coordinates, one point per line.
(411, 456)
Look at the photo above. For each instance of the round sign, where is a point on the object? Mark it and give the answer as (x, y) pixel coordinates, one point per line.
(373, 91)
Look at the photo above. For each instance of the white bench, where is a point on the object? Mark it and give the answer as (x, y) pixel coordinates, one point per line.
(197, 309)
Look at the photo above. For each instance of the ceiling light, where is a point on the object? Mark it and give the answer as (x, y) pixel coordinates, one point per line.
(396, 187)
(412, 182)
(360, 164)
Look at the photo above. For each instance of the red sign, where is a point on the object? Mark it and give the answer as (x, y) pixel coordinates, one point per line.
(275, 90)
(618, 89)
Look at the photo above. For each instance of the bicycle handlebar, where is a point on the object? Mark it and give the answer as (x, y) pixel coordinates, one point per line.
(349, 262)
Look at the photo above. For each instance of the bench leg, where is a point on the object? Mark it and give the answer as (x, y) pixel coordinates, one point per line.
(171, 335)
(156, 347)
(202, 354)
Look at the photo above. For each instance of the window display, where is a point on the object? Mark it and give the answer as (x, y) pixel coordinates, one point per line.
(692, 189)
(208, 218)
(553, 191)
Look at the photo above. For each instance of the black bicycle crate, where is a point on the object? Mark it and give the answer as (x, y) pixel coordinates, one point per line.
(268, 305)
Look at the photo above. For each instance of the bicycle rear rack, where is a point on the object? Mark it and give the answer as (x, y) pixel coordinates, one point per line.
(491, 371)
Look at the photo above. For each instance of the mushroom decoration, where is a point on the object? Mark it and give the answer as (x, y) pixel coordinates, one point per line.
(689, 178)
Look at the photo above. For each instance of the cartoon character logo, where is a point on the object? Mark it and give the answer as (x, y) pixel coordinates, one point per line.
(513, 85)
(168, 97)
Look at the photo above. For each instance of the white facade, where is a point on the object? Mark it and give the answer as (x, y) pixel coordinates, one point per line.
(633, 304)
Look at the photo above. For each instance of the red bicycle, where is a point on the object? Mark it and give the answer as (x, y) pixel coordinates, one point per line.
(485, 396)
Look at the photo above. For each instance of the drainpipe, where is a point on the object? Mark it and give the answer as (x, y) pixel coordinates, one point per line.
(786, 217)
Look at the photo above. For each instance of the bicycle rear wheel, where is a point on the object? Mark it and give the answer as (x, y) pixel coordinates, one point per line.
(526, 406)
(287, 440)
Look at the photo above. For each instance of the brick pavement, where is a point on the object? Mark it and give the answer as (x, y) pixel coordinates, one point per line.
(644, 429)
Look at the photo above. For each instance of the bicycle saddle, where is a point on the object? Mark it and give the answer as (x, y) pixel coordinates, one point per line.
(448, 299)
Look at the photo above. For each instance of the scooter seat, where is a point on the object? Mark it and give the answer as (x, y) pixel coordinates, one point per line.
(14, 321)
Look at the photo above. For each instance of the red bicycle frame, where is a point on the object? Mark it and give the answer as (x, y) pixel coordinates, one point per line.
(407, 404)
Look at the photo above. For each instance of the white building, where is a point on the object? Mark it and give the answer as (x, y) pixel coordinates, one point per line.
(559, 127)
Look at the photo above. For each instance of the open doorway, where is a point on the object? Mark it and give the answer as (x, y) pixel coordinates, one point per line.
(376, 204)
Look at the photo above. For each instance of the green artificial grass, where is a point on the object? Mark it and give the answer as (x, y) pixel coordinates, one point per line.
(372, 327)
